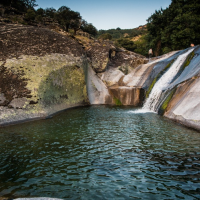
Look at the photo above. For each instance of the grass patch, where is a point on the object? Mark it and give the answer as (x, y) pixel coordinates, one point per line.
(166, 102)
(117, 101)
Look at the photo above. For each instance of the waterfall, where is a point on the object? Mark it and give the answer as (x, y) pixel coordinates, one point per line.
(152, 103)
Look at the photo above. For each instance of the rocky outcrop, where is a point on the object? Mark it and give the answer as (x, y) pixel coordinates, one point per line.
(104, 55)
(184, 106)
(41, 73)
(97, 91)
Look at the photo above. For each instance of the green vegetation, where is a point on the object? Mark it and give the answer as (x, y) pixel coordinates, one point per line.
(117, 102)
(166, 102)
(126, 43)
(125, 38)
(106, 36)
(89, 28)
(188, 60)
(64, 16)
(120, 33)
(175, 27)
(141, 45)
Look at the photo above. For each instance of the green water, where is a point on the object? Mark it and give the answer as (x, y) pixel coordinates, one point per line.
(100, 152)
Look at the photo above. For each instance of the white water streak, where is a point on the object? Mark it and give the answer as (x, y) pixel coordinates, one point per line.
(151, 104)
(153, 100)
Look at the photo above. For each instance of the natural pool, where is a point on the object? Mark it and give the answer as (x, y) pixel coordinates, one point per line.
(100, 152)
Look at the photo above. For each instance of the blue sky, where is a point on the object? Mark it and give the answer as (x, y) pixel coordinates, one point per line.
(107, 14)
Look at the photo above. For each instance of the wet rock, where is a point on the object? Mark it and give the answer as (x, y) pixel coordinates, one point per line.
(97, 91)
(128, 95)
(184, 106)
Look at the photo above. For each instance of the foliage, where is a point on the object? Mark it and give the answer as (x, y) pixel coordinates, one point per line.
(105, 36)
(50, 12)
(168, 98)
(17, 4)
(30, 15)
(30, 4)
(117, 101)
(89, 28)
(119, 33)
(141, 45)
(68, 18)
(126, 43)
(175, 27)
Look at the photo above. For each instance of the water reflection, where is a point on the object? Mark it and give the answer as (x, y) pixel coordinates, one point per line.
(100, 152)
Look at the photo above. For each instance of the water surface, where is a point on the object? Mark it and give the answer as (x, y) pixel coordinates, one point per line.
(100, 152)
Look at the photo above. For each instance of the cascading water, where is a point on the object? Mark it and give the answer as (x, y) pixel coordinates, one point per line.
(151, 104)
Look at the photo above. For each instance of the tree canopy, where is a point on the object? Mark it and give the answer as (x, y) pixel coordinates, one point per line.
(174, 28)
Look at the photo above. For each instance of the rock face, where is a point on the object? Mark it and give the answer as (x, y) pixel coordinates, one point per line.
(97, 91)
(184, 106)
(109, 65)
(41, 73)
(127, 95)
(104, 55)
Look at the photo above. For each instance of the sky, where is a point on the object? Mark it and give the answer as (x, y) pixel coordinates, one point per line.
(108, 14)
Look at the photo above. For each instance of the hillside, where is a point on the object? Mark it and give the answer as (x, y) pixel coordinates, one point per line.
(130, 39)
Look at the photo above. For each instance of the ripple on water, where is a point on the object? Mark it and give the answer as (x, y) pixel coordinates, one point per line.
(100, 152)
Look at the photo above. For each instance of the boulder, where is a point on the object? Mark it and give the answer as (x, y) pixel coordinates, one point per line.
(112, 76)
(184, 106)
(39, 76)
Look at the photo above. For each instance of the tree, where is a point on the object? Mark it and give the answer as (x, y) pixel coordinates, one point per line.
(17, 4)
(68, 18)
(89, 28)
(40, 11)
(63, 17)
(176, 27)
(30, 4)
(75, 22)
(30, 15)
(50, 12)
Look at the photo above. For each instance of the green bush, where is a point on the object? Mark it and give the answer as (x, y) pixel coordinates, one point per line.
(127, 44)
(106, 36)
(30, 15)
